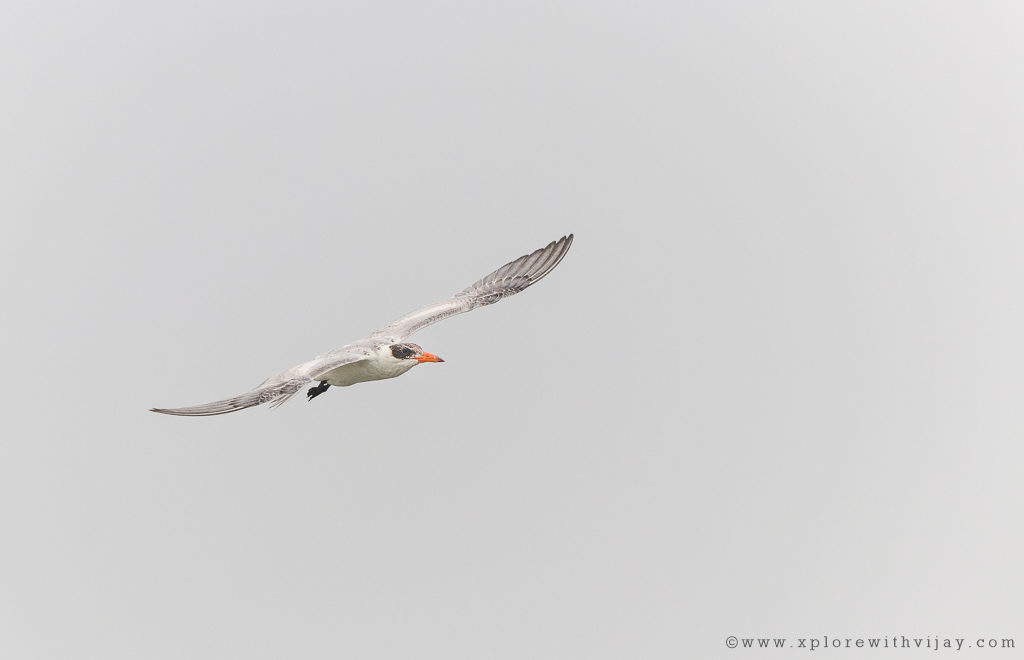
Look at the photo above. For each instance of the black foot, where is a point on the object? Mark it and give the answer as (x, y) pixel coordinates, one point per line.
(314, 392)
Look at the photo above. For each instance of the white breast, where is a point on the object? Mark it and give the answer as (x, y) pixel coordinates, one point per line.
(364, 370)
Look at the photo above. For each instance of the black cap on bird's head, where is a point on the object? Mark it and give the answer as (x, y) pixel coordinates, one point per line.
(407, 351)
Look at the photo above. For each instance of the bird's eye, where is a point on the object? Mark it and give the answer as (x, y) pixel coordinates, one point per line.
(402, 352)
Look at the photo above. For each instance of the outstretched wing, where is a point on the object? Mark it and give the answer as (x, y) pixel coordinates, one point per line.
(508, 280)
(276, 390)
(275, 394)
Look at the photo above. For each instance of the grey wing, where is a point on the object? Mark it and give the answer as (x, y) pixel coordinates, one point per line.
(275, 394)
(507, 281)
(276, 390)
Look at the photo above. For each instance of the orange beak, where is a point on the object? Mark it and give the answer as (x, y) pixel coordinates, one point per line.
(428, 357)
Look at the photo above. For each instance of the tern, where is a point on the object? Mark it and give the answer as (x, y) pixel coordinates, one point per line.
(385, 353)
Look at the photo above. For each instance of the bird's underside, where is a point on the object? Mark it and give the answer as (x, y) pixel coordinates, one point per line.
(385, 353)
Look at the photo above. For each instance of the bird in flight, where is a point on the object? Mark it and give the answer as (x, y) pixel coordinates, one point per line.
(386, 353)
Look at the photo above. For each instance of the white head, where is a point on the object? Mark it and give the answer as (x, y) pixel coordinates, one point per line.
(408, 353)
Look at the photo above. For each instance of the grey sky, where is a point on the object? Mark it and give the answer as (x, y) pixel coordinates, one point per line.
(774, 389)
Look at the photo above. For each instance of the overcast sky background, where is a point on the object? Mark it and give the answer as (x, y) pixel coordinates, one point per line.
(775, 388)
